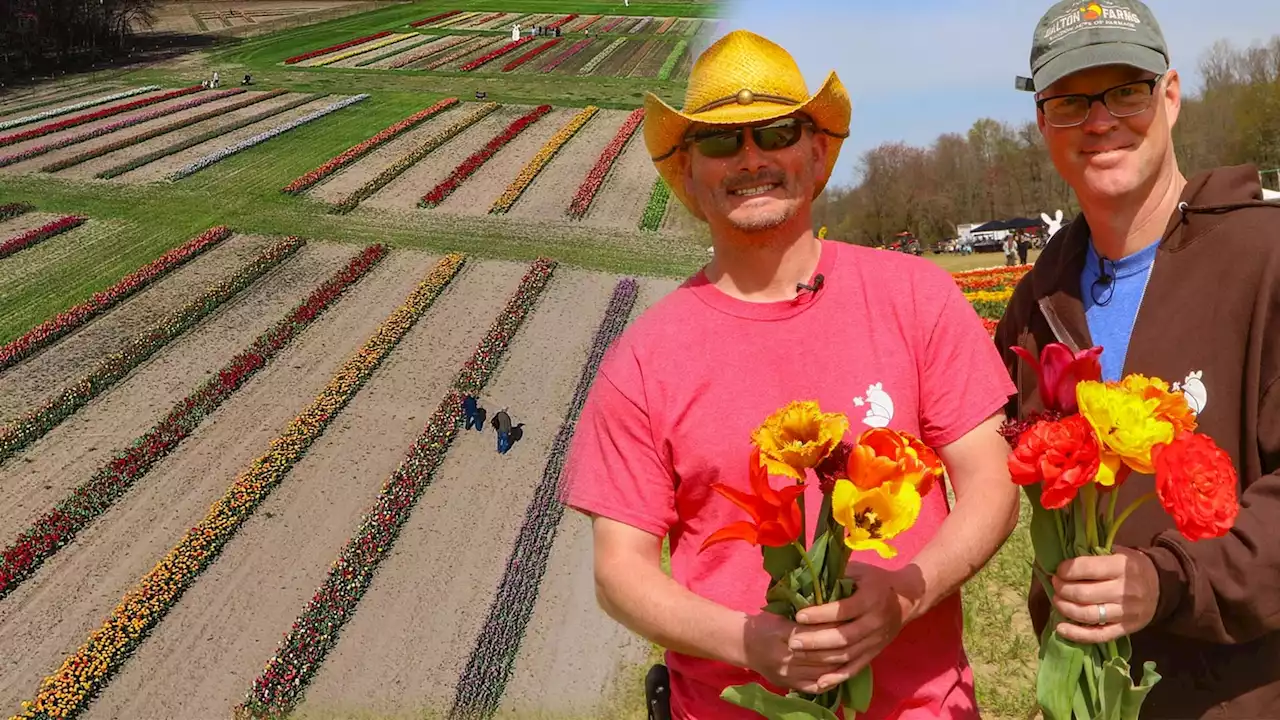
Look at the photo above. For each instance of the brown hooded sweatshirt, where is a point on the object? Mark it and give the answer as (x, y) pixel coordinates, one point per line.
(1210, 320)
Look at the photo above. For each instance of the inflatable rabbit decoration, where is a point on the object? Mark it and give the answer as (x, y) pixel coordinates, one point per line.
(1054, 223)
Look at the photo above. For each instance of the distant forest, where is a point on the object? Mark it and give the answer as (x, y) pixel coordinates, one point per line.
(998, 171)
(40, 36)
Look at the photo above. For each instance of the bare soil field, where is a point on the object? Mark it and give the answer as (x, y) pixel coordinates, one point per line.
(620, 62)
(204, 16)
(88, 169)
(651, 63)
(549, 195)
(26, 221)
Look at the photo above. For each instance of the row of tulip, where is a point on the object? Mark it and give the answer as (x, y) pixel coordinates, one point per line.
(425, 51)
(35, 423)
(467, 167)
(526, 57)
(335, 48)
(411, 158)
(603, 55)
(669, 65)
(13, 210)
(434, 18)
(586, 23)
(483, 681)
(100, 150)
(66, 692)
(990, 304)
(486, 19)
(458, 20)
(40, 234)
(563, 21)
(354, 153)
(62, 324)
(479, 42)
(48, 101)
(277, 690)
(55, 112)
(58, 526)
(665, 26)
(394, 50)
(206, 136)
(651, 218)
(69, 140)
(574, 49)
(77, 120)
(613, 24)
(544, 155)
(644, 23)
(220, 155)
(369, 47)
(495, 53)
(595, 178)
(992, 278)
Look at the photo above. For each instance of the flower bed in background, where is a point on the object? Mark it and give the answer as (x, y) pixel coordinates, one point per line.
(434, 18)
(600, 57)
(336, 48)
(540, 160)
(574, 49)
(644, 23)
(495, 53)
(989, 290)
(562, 21)
(49, 331)
(464, 170)
(427, 50)
(595, 178)
(526, 57)
(40, 234)
(94, 116)
(462, 51)
(55, 112)
(651, 218)
(587, 22)
(339, 57)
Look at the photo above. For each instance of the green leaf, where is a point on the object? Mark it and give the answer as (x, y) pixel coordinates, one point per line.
(1121, 699)
(780, 607)
(846, 588)
(818, 556)
(1059, 677)
(778, 561)
(775, 707)
(1045, 539)
(858, 689)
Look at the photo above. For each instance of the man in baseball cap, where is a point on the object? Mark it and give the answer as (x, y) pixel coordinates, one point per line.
(1140, 273)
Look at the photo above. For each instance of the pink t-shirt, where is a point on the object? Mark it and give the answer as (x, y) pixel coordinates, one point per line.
(889, 340)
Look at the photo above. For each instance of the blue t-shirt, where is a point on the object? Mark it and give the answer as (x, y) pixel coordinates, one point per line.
(1111, 308)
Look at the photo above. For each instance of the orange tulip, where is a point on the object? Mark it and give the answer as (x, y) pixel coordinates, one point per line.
(775, 516)
(882, 455)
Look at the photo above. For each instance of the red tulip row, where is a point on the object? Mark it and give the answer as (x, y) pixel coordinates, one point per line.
(106, 112)
(665, 26)
(573, 50)
(59, 525)
(356, 152)
(434, 18)
(99, 151)
(485, 19)
(462, 50)
(69, 140)
(335, 48)
(426, 50)
(277, 690)
(13, 210)
(586, 23)
(48, 332)
(465, 169)
(562, 21)
(614, 23)
(495, 53)
(44, 232)
(531, 54)
(595, 177)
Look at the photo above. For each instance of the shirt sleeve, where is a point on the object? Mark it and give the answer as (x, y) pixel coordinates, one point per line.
(963, 380)
(614, 468)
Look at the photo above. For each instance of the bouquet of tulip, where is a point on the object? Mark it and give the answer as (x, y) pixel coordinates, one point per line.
(1070, 460)
(871, 493)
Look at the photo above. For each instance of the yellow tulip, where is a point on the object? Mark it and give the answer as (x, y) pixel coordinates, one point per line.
(797, 437)
(872, 517)
(1127, 424)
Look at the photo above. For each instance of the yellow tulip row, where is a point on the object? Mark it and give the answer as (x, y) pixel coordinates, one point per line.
(535, 165)
(84, 672)
(989, 295)
(361, 49)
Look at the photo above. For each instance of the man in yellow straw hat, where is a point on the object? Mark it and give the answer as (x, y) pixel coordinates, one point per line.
(780, 315)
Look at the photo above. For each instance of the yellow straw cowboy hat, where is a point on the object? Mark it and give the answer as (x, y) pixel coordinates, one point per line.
(742, 79)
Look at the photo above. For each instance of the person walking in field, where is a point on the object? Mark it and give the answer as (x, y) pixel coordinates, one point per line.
(1174, 278)
(776, 315)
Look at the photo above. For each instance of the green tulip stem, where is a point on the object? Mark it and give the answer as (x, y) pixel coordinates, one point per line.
(817, 581)
(1089, 494)
(1111, 536)
(1111, 506)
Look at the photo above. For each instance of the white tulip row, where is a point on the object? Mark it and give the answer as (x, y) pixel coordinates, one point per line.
(594, 62)
(641, 25)
(227, 152)
(78, 106)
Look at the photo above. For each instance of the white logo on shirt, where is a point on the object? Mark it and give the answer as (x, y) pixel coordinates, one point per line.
(1193, 389)
(881, 410)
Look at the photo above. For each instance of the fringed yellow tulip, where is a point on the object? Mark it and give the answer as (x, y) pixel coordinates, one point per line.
(1127, 424)
(797, 437)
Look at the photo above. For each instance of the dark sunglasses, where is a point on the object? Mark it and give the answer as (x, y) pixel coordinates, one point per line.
(776, 135)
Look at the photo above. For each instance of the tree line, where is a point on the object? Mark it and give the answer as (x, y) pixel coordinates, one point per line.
(40, 36)
(998, 170)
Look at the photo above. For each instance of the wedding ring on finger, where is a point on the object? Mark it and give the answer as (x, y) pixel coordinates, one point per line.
(1102, 614)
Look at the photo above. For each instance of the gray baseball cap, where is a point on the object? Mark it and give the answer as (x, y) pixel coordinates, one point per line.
(1076, 35)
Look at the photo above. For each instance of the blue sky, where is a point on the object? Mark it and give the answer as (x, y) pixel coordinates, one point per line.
(919, 68)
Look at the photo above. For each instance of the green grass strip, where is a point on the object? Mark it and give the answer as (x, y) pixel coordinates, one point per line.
(205, 137)
(411, 158)
(35, 424)
(157, 132)
(651, 219)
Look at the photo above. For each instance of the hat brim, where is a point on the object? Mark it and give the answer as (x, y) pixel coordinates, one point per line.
(665, 129)
(1091, 56)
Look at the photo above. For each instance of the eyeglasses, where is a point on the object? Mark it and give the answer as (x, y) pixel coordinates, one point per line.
(726, 143)
(1126, 100)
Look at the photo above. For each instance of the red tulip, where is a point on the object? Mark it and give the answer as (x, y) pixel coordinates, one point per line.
(775, 515)
(1059, 371)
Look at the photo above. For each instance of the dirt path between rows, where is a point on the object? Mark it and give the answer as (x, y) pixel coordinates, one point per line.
(475, 196)
(44, 375)
(86, 170)
(54, 612)
(416, 626)
(404, 192)
(572, 650)
(205, 655)
(29, 220)
(78, 447)
(346, 181)
(156, 171)
(549, 195)
(622, 198)
(34, 164)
